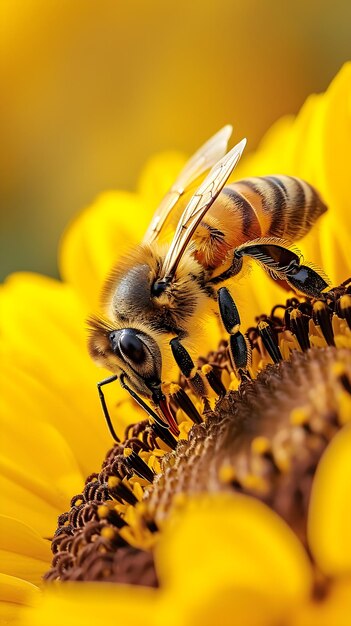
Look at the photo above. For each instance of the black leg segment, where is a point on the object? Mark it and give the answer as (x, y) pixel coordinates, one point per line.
(187, 367)
(182, 357)
(274, 256)
(307, 280)
(229, 313)
(239, 350)
(281, 262)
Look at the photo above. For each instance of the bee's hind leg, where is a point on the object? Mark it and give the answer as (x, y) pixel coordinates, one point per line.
(282, 263)
(239, 347)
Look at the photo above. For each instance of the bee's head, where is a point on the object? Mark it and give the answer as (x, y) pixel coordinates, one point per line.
(130, 351)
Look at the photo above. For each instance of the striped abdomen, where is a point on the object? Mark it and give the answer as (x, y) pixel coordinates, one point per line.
(269, 206)
(283, 206)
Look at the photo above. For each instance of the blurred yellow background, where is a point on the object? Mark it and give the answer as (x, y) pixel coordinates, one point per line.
(90, 89)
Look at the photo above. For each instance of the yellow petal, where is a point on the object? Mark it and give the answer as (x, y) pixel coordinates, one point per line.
(315, 146)
(305, 144)
(97, 239)
(19, 538)
(329, 146)
(271, 155)
(15, 594)
(329, 519)
(74, 604)
(57, 476)
(225, 606)
(23, 552)
(24, 505)
(337, 133)
(15, 590)
(335, 249)
(221, 544)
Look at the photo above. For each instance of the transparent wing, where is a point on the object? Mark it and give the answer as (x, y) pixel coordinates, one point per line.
(198, 206)
(199, 163)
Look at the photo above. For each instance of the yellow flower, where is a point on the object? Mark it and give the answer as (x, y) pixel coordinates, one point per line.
(226, 554)
(227, 557)
(312, 146)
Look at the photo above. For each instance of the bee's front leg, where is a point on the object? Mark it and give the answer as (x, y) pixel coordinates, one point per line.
(187, 367)
(239, 347)
(135, 396)
(198, 380)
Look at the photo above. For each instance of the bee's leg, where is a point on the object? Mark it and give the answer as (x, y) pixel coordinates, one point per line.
(282, 263)
(107, 381)
(187, 367)
(195, 378)
(239, 347)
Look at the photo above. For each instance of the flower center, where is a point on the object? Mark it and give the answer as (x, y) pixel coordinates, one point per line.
(264, 438)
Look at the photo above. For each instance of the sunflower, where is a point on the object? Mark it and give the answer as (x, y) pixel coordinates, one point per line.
(247, 525)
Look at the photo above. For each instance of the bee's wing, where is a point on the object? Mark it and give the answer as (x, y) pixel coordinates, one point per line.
(198, 205)
(199, 163)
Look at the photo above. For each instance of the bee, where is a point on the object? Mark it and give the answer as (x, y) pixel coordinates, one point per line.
(153, 301)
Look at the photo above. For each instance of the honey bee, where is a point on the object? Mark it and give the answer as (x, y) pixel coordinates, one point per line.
(153, 301)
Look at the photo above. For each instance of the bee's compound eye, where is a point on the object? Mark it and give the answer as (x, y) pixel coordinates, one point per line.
(113, 337)
(131, 346)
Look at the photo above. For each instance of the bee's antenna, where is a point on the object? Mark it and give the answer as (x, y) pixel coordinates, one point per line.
(107, 381)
